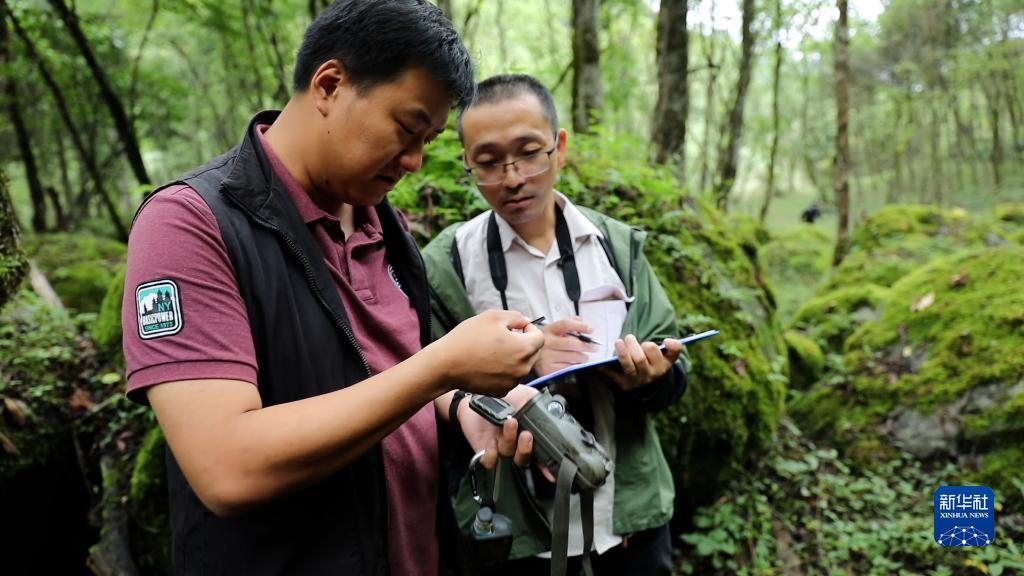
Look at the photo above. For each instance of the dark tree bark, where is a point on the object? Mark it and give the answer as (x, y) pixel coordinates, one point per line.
(124, 127)
(842, 185)
(996, 155)
(669, 130)
(728, 159)
(587, 89)
(776, 128)
(85, 155)
(21, 133)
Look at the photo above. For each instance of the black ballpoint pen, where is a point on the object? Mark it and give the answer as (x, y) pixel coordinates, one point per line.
(577, 335)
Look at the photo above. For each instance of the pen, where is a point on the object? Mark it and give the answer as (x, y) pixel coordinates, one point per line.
(577, 335)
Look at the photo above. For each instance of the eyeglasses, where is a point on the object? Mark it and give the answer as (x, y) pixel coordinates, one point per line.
(528, 166)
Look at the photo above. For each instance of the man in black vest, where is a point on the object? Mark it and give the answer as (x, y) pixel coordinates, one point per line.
(276, 318)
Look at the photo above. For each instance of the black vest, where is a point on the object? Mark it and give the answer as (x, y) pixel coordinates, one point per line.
(304, 347)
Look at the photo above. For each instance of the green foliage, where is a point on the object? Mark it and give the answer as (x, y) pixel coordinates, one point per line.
(802, 508)
(78, 266)
(106, 331)
(39, 355)
(796, 261)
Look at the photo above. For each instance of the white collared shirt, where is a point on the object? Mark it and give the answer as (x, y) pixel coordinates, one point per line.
(536, 288)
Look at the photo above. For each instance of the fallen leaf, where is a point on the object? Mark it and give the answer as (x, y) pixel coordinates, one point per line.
(923, 302)
(959, 280)
(18, 410)
(80, 400)
(740, 367)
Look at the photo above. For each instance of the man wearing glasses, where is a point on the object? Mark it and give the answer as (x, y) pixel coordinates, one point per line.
(536, 253)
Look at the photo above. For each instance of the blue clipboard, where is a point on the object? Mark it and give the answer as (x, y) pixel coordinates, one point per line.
(549, 378)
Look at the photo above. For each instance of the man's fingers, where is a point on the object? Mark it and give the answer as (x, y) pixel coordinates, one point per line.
(673, 349)
(524, 450)
(490, 457)
(568, 325)
(507, 442)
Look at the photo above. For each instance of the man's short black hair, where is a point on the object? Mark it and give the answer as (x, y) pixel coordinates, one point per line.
(377, 40)
(505, 87)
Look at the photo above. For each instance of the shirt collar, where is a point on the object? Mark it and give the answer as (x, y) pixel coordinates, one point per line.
(580, 226)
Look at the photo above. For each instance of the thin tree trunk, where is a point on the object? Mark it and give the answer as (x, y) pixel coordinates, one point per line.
(669, 130)
(842, 185)
(62, 160)
(110, 98)
(281, 68)
(133, 87)
(86, 156)
(996, 155)
(499, 24)
(61, 220)
(776, 128)
(708, 45)
(587, 89)
(21, 134)
(728, 160)
(936, 161)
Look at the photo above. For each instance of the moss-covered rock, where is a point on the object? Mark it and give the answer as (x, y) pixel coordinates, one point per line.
(941, 372)
(806, 360)
(897, 239)
(106, 331)
(796, 261)
(831, 318)
(78, 265)
(38, 362)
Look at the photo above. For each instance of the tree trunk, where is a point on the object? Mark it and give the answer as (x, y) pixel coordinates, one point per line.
(12, 260)
(669, 130)
(996, 155)
(86, 156)
(842, 185)
(587, 90)
(776, 128)
(728, 160)
(21, 134)
(708, 44)
(112, 100)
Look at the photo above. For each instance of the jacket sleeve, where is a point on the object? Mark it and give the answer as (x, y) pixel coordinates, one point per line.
(657, 320)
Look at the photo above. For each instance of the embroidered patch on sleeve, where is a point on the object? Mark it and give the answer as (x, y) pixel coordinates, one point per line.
(158, 306)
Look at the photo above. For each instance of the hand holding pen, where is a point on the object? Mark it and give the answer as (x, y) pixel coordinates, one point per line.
(540, 323)
(565, 344)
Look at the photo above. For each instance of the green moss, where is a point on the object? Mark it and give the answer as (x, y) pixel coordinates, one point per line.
(148, 505)
(13, 265)
(38, 346)
(106, 331)
(1003, 471)
(898, 239)
(831, 318)
(77, 265)
(796, 263)
(806, 361)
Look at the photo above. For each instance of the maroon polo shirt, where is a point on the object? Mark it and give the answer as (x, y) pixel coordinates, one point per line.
(214, 340)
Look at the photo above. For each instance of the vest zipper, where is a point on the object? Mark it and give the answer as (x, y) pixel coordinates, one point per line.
(310, 279)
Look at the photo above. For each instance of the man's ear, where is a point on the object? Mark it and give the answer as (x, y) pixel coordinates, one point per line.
(324, 87)
(563, 138)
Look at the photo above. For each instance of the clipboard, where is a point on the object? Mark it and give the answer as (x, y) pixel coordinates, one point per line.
(613, 360)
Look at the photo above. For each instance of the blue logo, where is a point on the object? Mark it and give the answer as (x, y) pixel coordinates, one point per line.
(964, 516)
